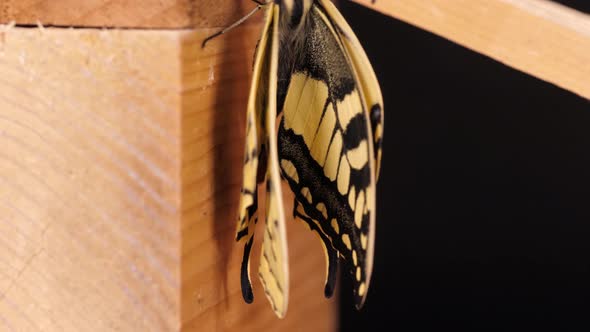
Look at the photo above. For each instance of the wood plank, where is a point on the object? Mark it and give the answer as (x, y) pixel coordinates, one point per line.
(538, 37)
(89, 194)
(125, 13)
(119, 182)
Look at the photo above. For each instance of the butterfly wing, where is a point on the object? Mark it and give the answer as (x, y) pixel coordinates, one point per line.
(326, 150)
(274, 265)
(273, 270)
(366, 78)
(248, 207)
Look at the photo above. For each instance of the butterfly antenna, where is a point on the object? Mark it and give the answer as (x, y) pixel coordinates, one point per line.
(235, 24)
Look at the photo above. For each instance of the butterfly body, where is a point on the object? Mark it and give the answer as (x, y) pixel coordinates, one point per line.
(311, 73)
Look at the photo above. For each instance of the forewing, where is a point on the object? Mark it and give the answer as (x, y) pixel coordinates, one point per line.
(255, 133)
(366, 78)
(326, 149)
(274, 266)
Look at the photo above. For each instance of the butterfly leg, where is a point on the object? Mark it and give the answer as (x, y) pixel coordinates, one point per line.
(329, 251)
(235, 24)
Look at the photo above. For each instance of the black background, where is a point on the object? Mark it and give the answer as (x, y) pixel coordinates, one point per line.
(484, 196)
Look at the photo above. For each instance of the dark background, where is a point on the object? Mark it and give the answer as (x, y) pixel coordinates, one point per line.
(484, 198)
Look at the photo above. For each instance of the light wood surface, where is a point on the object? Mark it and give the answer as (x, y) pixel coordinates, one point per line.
(125, 13)
(119, 181)
(538, 37)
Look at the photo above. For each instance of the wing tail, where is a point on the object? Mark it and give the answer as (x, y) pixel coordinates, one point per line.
(329, 251)
(248, 206)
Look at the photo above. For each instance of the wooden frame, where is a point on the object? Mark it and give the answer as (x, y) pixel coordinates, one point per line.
(538, 37)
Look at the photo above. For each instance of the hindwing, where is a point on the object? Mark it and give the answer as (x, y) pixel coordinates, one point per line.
(327, 147)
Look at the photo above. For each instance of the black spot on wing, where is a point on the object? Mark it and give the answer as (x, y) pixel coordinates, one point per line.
(360, 178)
(332, 271)
(376, 119)
(247, 293)
(375, 115)
(250, 212)
(262, 161)
(355, 132)
(365, 223)
(241, 234)
(254, 207)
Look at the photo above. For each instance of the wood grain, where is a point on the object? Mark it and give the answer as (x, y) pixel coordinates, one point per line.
(125, 13)
(538, 37)
(119, 181)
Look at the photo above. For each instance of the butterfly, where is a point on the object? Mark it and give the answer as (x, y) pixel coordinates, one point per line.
(311, 79)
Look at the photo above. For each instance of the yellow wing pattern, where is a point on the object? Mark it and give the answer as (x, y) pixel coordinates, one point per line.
(366, 78)
(260, 139)
(326, 147)
(274, 261)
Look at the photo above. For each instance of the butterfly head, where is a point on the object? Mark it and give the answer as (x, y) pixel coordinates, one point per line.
(294, 11)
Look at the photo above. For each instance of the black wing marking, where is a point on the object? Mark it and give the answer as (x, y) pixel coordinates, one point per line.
(326, 149)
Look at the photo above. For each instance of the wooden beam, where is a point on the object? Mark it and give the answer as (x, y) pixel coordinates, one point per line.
(125, 13)
(538, 37)
(119, 182)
